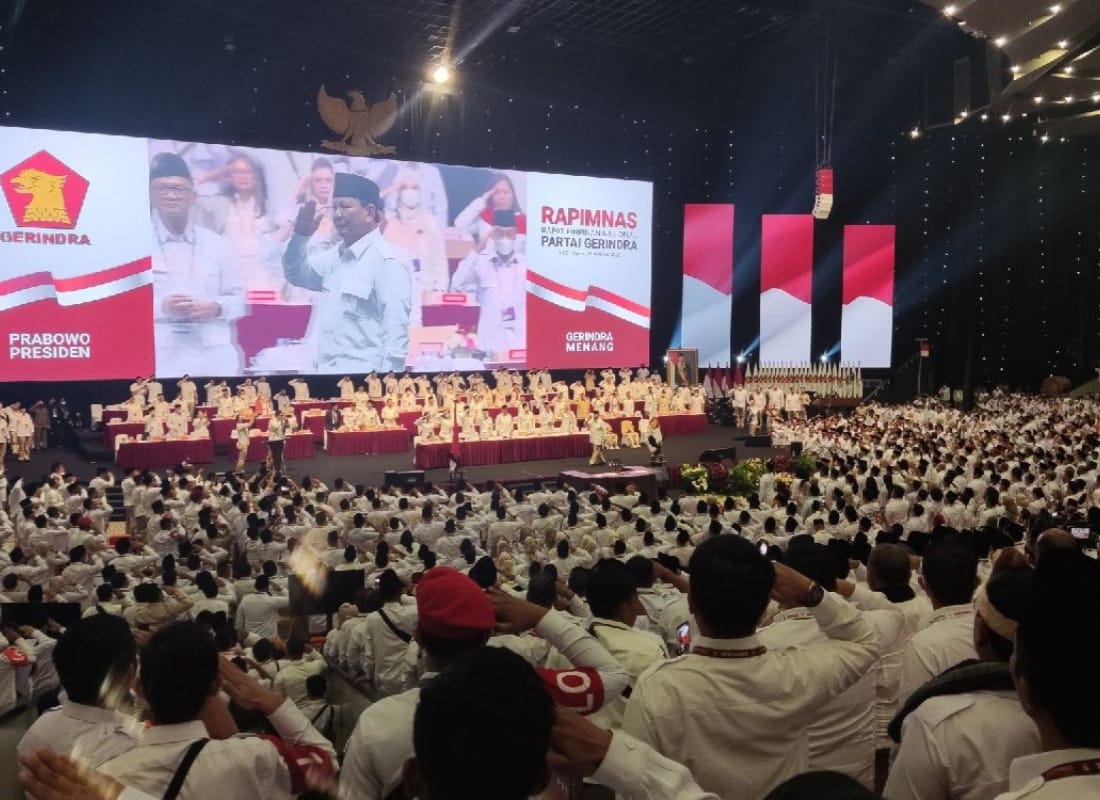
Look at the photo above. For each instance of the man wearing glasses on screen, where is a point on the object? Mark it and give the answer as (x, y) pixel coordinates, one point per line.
(362, 314)
(196, 291)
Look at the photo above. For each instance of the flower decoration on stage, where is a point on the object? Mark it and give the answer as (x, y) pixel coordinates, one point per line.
(804, 465)
(358, 123)
(785, 478)
(694, 478)
(745, 475)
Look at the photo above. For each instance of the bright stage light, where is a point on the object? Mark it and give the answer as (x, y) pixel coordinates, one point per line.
(915, 133)
(1054, 9)
(1001, 41)
(441, 74)
(824, 357)
(1062, 45)
(1005, 117)
(1068, 69)
(1038, 98)
(1044, 138)
(1015, 69)
(950, 10)
(740, 358)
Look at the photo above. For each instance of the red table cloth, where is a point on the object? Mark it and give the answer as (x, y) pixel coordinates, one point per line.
(115, 429)
(505, 451)
(115, 415)
(673, 424)
(152, 455)
(222, 430)
(296, 445)
(323, 405)
(357, 443)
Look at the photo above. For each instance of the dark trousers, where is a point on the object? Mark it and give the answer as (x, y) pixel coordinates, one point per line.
(276, 450)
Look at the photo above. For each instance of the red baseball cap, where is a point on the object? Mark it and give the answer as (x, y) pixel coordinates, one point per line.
(451, 606)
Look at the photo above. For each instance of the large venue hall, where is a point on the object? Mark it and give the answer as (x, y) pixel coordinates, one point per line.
(564, 399)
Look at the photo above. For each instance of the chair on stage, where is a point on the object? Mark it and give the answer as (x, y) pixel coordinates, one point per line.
(629, 435)
(611, 441)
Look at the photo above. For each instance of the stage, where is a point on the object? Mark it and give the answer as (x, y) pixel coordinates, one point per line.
(371, 469)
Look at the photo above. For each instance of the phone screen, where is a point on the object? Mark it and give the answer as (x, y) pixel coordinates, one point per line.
(1080, 532)
(683, 636)
(763, 548)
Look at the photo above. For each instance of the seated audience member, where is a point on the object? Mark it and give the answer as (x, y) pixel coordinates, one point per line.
(1049, 672)
(179, 679)
(949, 574)
(732, 695)
(96, 660)
(961, 730)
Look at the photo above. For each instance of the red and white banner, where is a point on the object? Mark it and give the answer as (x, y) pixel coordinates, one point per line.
(867, 320)
(75, 293)
(588, 276)
(786, 287)
(504, 269)
(707, 306)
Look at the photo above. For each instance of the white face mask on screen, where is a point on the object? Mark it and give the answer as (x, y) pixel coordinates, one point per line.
(410, 198)
(504, 247)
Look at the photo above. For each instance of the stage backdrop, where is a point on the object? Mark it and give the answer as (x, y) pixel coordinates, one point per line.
(867, 320)
(786, 287)
(91, 278)
(705, 311)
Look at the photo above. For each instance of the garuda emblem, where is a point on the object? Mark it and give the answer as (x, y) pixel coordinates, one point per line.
(357, 123)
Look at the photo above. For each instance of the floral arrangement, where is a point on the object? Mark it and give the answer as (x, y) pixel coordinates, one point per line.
(744, 477)
(694, 478)
(804, 465)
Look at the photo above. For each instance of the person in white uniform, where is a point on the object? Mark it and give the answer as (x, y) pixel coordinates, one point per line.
(498, 276)
(362, 316)
(197, 296)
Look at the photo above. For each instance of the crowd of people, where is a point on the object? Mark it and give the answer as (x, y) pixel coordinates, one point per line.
(911, 617)
(513, 405)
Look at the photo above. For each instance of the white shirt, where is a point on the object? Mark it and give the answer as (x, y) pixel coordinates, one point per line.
(842, 732)
(382, 740)
(697, 709)
(946, 639)
(240, 767)
(959, 747)
(258, 614)
(384, 652)
(88, 733)
(1025, 777)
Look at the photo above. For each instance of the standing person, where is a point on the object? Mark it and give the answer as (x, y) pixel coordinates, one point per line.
(498, 276)
(41, 418)
(596, 437)
(241, 434)
(196, 294)
(362, 314)
(188, 394)
(276, 439)
(477, 218)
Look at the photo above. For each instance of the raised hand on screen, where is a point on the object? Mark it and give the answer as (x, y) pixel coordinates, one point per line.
(309, 217)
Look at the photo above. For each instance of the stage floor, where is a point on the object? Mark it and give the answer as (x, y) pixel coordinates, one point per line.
(370, 470)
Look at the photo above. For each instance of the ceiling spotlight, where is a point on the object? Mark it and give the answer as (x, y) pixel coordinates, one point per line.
(1038, 98)
(441, 74)
(1015, 68)
(1068, 69)
(950, 10)
(740, 358)
(1006, 117)
(985, 117)
(824, 357)
(1096, 97)
(915, 133)
(1069, 98)
(1001, 41)
(1054, 9)
(1044, 138)
(1063, 44)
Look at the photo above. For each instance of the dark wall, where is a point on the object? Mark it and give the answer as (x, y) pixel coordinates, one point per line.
(738, 128)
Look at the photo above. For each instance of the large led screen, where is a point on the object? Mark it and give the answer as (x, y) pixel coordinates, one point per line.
(122, 256)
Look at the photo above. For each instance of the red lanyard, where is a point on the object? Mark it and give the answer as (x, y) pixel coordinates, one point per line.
(1073, 769)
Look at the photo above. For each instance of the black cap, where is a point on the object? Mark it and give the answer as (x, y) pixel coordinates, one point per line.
(168, 165)
(362, 189)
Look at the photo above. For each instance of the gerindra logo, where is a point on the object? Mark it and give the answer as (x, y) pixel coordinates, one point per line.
(43, 192)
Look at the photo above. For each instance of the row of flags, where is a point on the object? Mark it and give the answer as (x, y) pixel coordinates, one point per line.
(817, 377)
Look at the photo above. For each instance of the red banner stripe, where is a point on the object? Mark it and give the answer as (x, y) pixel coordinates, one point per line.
(869, 262)
(787, 254)
(708, 244)
(73, 284)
